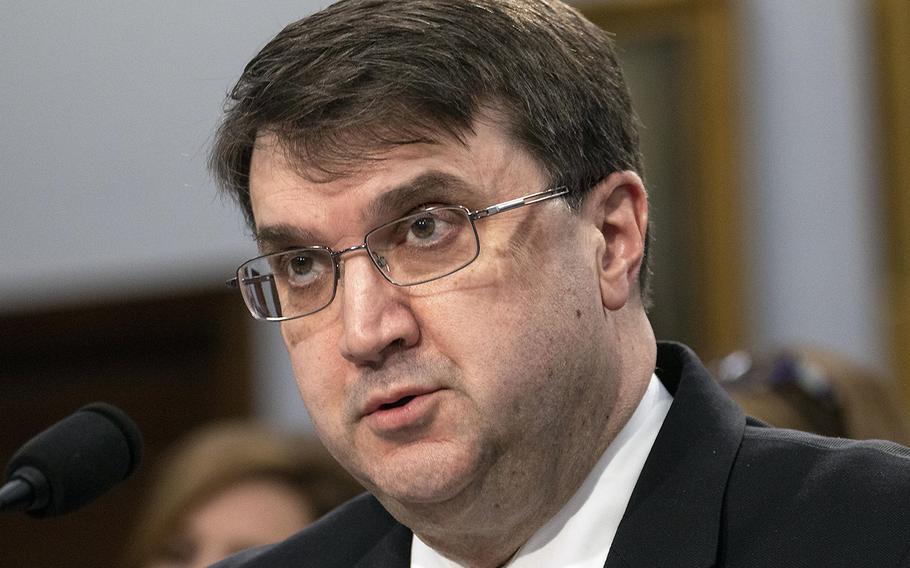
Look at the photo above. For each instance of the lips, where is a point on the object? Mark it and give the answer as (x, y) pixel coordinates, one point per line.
(401, 411)
(395, 399)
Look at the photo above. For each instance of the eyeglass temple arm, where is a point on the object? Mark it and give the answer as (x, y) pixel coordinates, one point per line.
(519, 202)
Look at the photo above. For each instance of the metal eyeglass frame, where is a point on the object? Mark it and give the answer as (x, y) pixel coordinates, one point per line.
(377, 261)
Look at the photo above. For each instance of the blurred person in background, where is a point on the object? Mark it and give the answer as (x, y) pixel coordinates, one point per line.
(816, 390)
(231, 486)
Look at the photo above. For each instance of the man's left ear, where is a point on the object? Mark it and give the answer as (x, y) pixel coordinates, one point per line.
(618, 208)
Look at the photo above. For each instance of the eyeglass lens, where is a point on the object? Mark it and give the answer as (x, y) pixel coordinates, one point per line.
(412, 250)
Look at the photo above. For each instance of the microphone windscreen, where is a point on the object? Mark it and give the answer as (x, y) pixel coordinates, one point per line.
(82, 456)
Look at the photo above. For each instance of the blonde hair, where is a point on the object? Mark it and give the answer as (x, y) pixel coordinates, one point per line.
(218, 456)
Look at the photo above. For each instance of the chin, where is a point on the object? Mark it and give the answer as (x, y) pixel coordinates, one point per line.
(425, 474)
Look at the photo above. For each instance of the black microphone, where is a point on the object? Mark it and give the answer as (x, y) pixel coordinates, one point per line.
(72, 462)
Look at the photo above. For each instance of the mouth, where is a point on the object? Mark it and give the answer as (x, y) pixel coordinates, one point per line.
(395, 399)
(401, 409)
(398, 403)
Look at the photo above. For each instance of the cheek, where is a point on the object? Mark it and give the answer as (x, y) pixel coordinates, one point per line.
(524, 327)
(498, 339)
(318, 371)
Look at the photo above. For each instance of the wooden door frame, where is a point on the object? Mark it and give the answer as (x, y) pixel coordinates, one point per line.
(891, 31)
(705, 30)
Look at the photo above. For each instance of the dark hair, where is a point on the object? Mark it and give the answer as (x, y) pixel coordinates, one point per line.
(361, 76)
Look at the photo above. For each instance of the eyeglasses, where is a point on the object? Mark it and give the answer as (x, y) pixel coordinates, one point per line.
(415, 249)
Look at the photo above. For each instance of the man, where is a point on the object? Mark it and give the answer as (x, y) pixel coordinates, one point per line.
(454, 240)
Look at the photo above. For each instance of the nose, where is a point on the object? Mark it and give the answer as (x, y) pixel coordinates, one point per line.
(377, 316)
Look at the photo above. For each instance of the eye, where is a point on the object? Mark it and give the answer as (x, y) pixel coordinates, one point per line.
(423, 227)
(301, 265)
(428, 231)
(432, 228)
(304, 268)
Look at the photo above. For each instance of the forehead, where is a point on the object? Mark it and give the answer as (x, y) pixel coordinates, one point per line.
(475, 173)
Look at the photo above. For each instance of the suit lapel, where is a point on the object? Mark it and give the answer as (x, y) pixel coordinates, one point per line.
(674, 515)
(392, 551)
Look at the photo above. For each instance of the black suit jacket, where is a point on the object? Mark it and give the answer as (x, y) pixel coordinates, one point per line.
(717, 489)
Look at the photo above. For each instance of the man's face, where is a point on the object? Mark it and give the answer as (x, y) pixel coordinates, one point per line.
(491, 377)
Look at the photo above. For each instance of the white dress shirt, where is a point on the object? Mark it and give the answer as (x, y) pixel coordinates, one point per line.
(581, 533)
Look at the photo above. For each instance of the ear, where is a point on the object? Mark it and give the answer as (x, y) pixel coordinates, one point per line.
(618, 209)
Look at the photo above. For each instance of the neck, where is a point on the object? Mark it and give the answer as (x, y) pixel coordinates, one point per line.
(489, 531)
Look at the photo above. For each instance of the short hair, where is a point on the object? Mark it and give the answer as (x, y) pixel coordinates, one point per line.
(340, 86)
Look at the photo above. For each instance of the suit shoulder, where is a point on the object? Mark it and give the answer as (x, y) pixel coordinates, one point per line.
(817, 466)
(844, 457)
(341, 538)
(844, 498)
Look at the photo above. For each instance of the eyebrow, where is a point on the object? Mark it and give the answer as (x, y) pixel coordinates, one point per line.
(273, 238)
(425, 188)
